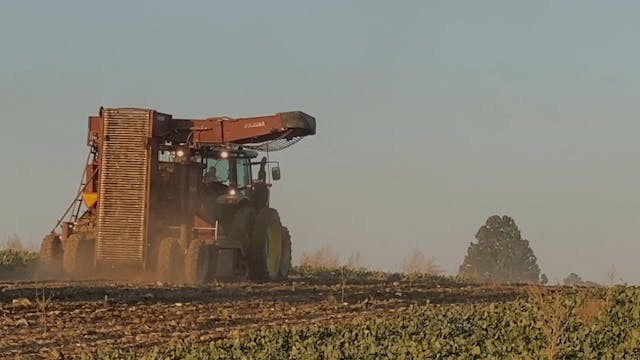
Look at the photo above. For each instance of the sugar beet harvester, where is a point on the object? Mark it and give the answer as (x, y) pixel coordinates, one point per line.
(186, 199)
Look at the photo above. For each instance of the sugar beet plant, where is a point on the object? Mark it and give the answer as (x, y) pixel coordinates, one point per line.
(16, 258)
(517, 329)
(14, 262)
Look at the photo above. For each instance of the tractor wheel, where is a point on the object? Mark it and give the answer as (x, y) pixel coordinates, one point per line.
(265, 250)
(170, 260)
(242, 268)
(242, 228)
(51, 256)
(285, 260)
(196, 262)
(78, 254)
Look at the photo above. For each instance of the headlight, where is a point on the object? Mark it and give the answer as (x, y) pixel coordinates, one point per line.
(224, 154)
(232, 192)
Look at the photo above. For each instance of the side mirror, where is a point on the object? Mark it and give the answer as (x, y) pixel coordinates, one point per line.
(275, 173)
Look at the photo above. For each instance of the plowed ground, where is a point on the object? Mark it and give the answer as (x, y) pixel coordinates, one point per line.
(45, 319)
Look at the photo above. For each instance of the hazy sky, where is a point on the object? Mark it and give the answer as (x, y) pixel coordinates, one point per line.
(432, 116)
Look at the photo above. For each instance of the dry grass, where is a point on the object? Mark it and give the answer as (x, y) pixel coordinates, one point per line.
(324, 257)
(355, 261)
(14, 242)
(554, 316)
(611, 275)
(417, 263)
(42, 302)
(591, 310)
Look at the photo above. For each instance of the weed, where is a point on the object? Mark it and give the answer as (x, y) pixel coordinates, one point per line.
(324, 257)
(417, 263)
(553, 315)
(590, 310)
(42, 302)
(355, 261)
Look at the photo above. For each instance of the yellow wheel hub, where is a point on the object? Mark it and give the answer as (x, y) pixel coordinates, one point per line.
(273, 248)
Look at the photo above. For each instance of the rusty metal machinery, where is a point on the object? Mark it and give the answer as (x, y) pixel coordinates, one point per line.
(148, 200)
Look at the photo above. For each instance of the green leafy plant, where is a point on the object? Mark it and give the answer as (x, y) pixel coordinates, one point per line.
(16, 263)
(544, 325)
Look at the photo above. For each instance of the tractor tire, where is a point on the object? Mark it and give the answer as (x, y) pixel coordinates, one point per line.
(285, 260)
(196, 269)
(78, 256)
(170, 260)
(51, 256)
(265, 250)
(242, 268)
(243, 223)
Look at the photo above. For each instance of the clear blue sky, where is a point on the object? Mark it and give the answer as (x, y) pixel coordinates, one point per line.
(432, 116)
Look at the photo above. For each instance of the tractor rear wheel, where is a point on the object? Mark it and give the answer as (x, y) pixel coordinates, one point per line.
(265, 250)
(51, 256)
(78, 255)
(285, 260)
(196, 262)
(170, 260)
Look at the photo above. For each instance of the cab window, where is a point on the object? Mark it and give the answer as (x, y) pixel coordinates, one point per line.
(242, 168)
(217, 171)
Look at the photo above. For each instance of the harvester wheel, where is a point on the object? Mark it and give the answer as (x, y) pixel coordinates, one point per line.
(285, 260)
(51, 256)
(170, 260)
(265, 250)
(196, 262)
(243, 223)
(78, 254)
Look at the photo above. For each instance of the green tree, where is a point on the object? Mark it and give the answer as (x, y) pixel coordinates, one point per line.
(501, 255)
(573, 280)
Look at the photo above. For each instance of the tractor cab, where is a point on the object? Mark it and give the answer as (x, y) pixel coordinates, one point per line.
(231, 179)
(229, 167)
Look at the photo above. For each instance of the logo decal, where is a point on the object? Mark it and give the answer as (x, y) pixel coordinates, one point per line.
(254, 125)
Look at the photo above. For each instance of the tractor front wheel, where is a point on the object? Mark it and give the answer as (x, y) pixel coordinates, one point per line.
(285, 260)
(265, 250)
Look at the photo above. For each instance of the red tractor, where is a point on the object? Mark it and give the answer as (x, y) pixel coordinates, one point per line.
(185, 199)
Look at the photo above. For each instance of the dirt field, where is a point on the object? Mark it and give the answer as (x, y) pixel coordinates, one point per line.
(85, 316)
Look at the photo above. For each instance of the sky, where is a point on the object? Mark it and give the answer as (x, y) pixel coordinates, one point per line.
(432, 115)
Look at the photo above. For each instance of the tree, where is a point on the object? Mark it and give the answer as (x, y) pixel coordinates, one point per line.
(574, 279)
(501, 255)
(544, 279)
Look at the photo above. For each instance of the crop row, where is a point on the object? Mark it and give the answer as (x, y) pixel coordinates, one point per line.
(594, 324)
(16, 262)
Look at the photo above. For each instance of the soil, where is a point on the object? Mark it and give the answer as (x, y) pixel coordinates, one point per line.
(45, 319)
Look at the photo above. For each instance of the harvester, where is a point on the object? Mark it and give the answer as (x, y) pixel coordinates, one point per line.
(186, 200)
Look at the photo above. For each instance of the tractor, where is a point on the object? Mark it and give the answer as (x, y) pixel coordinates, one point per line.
(185, 200)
